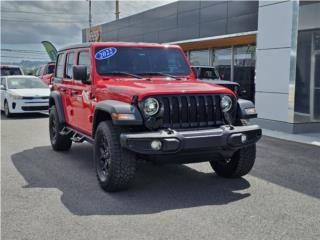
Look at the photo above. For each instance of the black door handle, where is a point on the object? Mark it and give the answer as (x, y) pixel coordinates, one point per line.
(74, 92)
(63, 90)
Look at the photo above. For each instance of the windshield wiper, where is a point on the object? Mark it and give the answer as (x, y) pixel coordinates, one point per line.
(126, 73)
(161, 74)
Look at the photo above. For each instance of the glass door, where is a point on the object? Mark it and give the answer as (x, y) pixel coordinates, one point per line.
(244, 70)
(222, 59)
(315, 77)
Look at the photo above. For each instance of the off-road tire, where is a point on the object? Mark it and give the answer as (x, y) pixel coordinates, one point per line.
(58, 142)
(240, 164)
(115, 166)
(6, 109)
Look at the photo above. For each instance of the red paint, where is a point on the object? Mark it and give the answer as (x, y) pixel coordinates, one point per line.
(80, 98)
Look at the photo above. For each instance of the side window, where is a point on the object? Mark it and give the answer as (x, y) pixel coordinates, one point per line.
(60, 65)
(38, 72)
(84, 59)
(70, 58)
(3, 82)
(45, 70)
(41, 70)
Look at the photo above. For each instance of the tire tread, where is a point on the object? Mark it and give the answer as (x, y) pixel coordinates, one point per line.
(123, 164)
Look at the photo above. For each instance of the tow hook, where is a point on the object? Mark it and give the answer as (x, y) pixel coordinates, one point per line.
(169, 131)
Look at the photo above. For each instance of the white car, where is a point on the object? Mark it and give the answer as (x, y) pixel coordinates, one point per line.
(23, 94)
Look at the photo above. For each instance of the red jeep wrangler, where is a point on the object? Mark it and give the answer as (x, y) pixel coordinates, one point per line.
(135, 100)
(45, 72)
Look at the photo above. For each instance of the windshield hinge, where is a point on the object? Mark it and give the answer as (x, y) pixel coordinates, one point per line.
(134, 100)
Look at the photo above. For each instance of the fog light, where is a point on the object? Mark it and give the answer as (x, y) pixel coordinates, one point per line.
(156, 145)
(243, 138)
(250, 111)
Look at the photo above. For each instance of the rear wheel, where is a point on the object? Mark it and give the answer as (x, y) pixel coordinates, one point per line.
(7, 112)
(238, 165)
(58, 141)
(115, 166)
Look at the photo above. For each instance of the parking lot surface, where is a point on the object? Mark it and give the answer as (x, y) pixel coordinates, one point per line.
(54, 195)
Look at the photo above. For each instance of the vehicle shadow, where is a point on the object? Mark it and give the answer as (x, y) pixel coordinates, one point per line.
(21, 116)
(156, 189)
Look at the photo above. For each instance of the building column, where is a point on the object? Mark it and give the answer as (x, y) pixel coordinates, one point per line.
(276, 63)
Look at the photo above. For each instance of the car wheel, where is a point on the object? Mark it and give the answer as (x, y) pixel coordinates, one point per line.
(115, 166)
(238, 165)
(58, 142)
(7, 112)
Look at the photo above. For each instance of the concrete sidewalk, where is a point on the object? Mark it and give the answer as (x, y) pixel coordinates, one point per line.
(306, 138)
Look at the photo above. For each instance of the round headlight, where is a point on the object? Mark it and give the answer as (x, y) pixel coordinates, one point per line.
(226, 103)
(151, 106)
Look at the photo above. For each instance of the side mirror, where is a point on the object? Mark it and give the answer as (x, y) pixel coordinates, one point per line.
(80, 73)
(2, 87)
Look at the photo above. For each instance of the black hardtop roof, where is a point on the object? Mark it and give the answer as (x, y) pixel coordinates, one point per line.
(81, 45)
(88, 45)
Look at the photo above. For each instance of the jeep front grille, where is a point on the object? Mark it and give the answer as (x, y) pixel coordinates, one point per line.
(190, 111)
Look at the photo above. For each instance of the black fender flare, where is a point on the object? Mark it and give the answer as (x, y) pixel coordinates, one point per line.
(243, 106)
(113, 106)
(56, 99)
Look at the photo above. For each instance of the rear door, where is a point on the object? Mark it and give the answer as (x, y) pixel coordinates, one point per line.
(81, 95)
(63, 86)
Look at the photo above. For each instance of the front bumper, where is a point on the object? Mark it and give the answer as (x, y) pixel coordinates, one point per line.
(223, 138)
(28, 106)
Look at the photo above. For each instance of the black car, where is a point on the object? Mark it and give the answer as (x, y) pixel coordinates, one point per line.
(210, 74)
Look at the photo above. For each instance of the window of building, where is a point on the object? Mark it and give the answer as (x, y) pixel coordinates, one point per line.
(236, 63)
(199, 57)
(244, 69)
(221, 60)
(307, 89)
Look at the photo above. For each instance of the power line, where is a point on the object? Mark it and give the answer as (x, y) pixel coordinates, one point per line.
(48, 12)
(29, 50)
(22, 51)
(39, 21)
(25, 58)
(42, 13)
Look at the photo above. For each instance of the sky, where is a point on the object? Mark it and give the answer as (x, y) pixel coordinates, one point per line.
(24, 24)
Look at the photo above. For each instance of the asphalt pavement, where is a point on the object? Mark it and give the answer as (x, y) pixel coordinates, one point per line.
(54, 195)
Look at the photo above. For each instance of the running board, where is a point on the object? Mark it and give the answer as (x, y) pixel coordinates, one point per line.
(75, 135)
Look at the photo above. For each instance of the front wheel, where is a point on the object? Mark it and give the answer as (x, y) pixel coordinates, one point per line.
(239, 165)
(7, 112)
(115, 166)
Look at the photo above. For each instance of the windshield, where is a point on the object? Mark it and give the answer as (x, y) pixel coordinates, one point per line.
(23, 83)
(207, 73)
(141, 61)
(7, 71)
(51, 69)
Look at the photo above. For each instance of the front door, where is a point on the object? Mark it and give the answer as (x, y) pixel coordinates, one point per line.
(81, 96)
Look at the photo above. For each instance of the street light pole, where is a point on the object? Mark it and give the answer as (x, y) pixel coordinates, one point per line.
(117, 10)
(90, 16)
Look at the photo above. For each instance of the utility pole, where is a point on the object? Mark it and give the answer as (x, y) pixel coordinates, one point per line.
(117, 10)
(90, 16)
